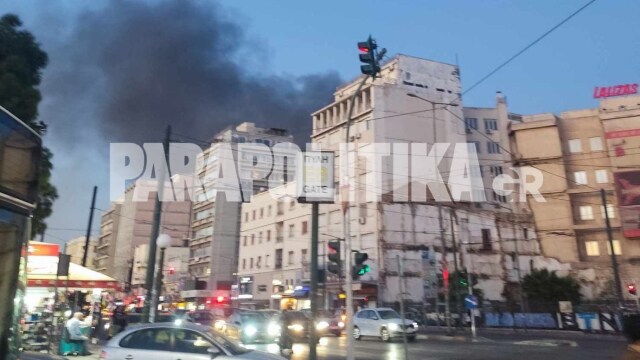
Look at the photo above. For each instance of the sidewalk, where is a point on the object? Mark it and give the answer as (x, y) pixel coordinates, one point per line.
(496, 334)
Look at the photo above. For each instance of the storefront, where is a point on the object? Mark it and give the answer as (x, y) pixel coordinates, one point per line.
(20, 152)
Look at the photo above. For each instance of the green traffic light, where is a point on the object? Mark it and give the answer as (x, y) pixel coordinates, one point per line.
(363, 270)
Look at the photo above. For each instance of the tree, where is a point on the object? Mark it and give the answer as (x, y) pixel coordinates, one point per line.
(544, 289)
(21, 65)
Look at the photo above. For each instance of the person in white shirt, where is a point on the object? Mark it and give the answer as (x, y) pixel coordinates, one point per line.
(75, 325)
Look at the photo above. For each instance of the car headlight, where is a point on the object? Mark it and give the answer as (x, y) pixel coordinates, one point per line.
(273, 329)
(322, 325)
(341, 324)
(415, 325)
(219, 324)
(250, 330)
(295, 327)
(178, 322)
(393, 326)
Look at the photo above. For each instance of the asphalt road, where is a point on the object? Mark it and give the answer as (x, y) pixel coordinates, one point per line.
(441, 349)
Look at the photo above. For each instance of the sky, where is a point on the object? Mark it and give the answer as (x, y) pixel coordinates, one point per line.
(103, 54)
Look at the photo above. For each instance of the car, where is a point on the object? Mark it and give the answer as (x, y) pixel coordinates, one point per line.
(384, 323)
(327, 322)
(203, 317)
(170, 341)
(251, 326)
(299, 324)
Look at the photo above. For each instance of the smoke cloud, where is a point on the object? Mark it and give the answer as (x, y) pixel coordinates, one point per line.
(174, 62)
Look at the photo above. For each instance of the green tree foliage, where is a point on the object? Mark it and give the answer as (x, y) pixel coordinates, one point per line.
(21, 65)
(545, 287)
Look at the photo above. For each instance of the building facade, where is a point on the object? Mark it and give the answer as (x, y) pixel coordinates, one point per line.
(273, 258)
(105, 253)
(216, 221)
(580, 153)
(75, 248)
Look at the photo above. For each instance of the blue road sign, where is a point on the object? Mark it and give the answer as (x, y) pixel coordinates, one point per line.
(470, 302)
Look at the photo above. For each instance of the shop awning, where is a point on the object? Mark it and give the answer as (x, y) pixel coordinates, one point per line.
(79, 277)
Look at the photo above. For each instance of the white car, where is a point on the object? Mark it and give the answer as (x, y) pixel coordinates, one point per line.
(384, 323)
(177, 340)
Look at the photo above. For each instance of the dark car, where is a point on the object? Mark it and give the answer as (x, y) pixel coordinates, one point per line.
(203, 317)
(251, 326)
(296, 324)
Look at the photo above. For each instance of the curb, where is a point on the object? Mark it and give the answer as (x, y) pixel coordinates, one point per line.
(453, 338)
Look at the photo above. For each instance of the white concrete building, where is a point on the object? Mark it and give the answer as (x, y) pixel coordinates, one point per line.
(403, 220)
(275, 235)
(216, 222)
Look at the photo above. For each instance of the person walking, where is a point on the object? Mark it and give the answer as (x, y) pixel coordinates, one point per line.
(119, 319)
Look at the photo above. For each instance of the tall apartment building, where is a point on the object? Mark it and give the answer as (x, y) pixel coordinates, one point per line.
(579, 153)
(174, 269)
(407, 223)
(120, 238)
(216, 221)
(488, 129)
(275, 235)
(105, 253)
(75, 248)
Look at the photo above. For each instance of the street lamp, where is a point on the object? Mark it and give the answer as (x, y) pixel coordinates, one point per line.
(440, 219)
(163, 242)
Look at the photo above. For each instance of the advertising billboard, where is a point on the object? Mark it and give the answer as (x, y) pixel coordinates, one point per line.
(627, 184)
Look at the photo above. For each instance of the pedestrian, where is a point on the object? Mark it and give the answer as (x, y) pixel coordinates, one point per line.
(285, 341)
(119, 320)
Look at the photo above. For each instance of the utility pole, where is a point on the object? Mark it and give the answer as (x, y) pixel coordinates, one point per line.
(86, 240)
(455, 266)
(614, 262)
(517, 264)
(313, 338)
(401, 278)
(148, 314)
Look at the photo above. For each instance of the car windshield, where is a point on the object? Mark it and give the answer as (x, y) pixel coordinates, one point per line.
(233, 347)
(252, 318)
(388, 314)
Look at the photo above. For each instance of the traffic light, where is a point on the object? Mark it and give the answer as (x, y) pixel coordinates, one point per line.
(334, 257)
(631, 288)
(370, 64)
(172, 270)
(462, 278)
(360, 268)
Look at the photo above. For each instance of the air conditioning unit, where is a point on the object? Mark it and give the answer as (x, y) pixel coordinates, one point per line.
(362, 220)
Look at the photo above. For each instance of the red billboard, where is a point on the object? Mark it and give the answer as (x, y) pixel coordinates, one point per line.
(627, 185)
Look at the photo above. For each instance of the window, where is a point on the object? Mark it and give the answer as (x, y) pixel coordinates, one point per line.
(292, 229)
(246, 216)
(204, 232)
(253, 239)
(269, 211)
(261, 213)
(611, 211)
(595, 143)
(586, 213)
(268, 235)
(278, 258)
(486, 239)
(244, 264)
(290, 258)
(292, 204)
(303, 255)
(253, 215)
(190, 342)
(260, 237)
(477, 144)
(493, 148)
(575, 146)
(251, 263)
(305, 226)
(525, 233)
(490, 125)
(580, 177)
(266, 261)
(602, 177)
(616, 247)
(148, 339)
(495, 170)
(592, 248)
(258, 262)
(244, 240)
(471, 123)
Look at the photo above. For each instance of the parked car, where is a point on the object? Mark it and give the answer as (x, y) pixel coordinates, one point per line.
(384, 323)
(168, 341)
(251, 327)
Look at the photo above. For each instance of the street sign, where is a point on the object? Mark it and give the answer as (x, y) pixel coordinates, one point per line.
(315, 180)
(470, 302)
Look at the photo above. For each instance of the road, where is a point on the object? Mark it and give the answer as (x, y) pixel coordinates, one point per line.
(512, 347)
(507, 345)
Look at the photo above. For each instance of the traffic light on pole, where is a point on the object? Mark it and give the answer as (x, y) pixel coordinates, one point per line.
(360, 268)
(368, 57)
(333, 255)
(462, 278)
(631, 288)
(172, 270)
